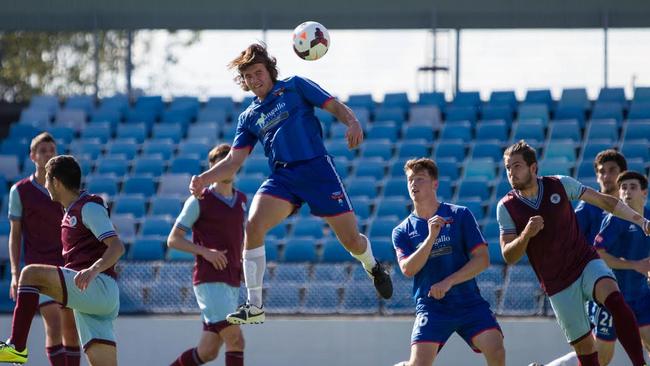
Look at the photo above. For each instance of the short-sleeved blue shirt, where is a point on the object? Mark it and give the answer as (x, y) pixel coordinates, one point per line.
(450, 252)
(285, 122)
(623, 239)
(589, 219)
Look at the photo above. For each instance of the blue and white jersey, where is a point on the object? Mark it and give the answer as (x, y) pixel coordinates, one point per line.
(285, 122)
(589, 219)
(623, 239)
(450, 252)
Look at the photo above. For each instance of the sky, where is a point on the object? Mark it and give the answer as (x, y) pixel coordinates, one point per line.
(383, 61)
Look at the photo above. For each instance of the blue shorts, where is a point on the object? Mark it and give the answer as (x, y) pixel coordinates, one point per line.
(602, 319)
(436, 327)
(95, 309)
(313, 181)
(216, 300)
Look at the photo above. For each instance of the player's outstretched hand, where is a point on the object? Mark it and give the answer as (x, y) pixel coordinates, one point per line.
(83, 278)
(535, 225)
(196, 186)
(13, 288)
(439, 290)
(217, 258)
(354, 135)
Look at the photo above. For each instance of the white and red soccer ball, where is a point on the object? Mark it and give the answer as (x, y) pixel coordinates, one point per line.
(311, 40)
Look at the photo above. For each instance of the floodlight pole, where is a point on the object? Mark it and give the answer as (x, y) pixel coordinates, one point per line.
(129, 63)
(96, 63)
(605, 49)
(457, 68)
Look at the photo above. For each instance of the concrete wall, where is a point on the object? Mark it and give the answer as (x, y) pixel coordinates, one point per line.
(315, 341)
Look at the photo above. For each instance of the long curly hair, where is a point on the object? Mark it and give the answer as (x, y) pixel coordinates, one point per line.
(256, 53)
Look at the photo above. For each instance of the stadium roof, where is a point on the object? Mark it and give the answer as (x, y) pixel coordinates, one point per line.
(61, 15)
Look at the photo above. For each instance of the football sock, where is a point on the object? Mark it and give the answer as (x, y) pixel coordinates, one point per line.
(366, 258)
(234, 358)
(254, 267)
(56, 355)
(188, 358)
(26, 306)
(589, 360)
(72, 356)
(626, 327)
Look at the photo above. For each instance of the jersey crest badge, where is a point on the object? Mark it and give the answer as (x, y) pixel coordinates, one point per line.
(555, 198)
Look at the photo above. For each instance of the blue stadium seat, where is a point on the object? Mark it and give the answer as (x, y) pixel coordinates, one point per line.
(127, 149)
(82, 102)
(137, 131)
(382, 227)
(124, 226)
(361, 186)
(432, 99)
(19, 131)
(212, 114)
(396, 187)
(639, 110)
(602, 130)
(62, 134)
(636, 131)
(393, 206)
(502, 188)
(453, 149)
(114, 166)
(224, 102)
(203, 130)
(615, 95)
(576, 112)
(444, 191)
(363, 115)
(98, 130)
(339, 147)
(556, 166)
(533, 112)
(308, 226)
(467, 98)
(159, 147)
(370, 167)
(182, 165)
(487, 149)
(383, 250)
(360, 298)
(494, 249)
(531, 131)
(129, 204)
(147, 249)
(143, 185)
(249, 184)
(136, 116)
(586, 170)
(425, 114)
(167, 131)
(299, 250)
(257, 165)
(634, 149)
(575, 97)
(165, 205)
(447, 168)
(360, 100)
(101, 184)
(321, 299)
(610, 110)
(642, 94)
(146, 165)
(474, 205)
(498, 112)
(383, 130)
(480, 168)
(324, 116)
(280, 230)
(338, 131)
(334, 252)
(418, 131)
(400, 100)
(380, 148)
(593, 147)
(560, 149)
(390, 113)
(541, 96)
(505, 97)
(413, 149)
(457, 130)
(271, 249)
(18, 148)
(35, 117)
(361, 206)
(150, 102)
(103, 114)
(456, 113)
(199, 149)
(473, 188)
(565, 130)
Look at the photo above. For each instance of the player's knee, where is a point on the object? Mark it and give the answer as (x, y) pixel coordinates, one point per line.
(208, 353)
(29, 274)
(234, 341)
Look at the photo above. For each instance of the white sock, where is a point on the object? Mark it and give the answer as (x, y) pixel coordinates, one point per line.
(366, 258)
(570, 359)
(254, 267)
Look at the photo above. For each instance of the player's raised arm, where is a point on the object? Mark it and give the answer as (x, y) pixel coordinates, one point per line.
(224, 169)
(413, 263)
(616, 207)
(343, 113)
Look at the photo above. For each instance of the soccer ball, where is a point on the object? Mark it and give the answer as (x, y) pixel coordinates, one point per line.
(311, 41)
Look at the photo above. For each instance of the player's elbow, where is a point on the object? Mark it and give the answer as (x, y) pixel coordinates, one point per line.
(510, 258)
(408, 272)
